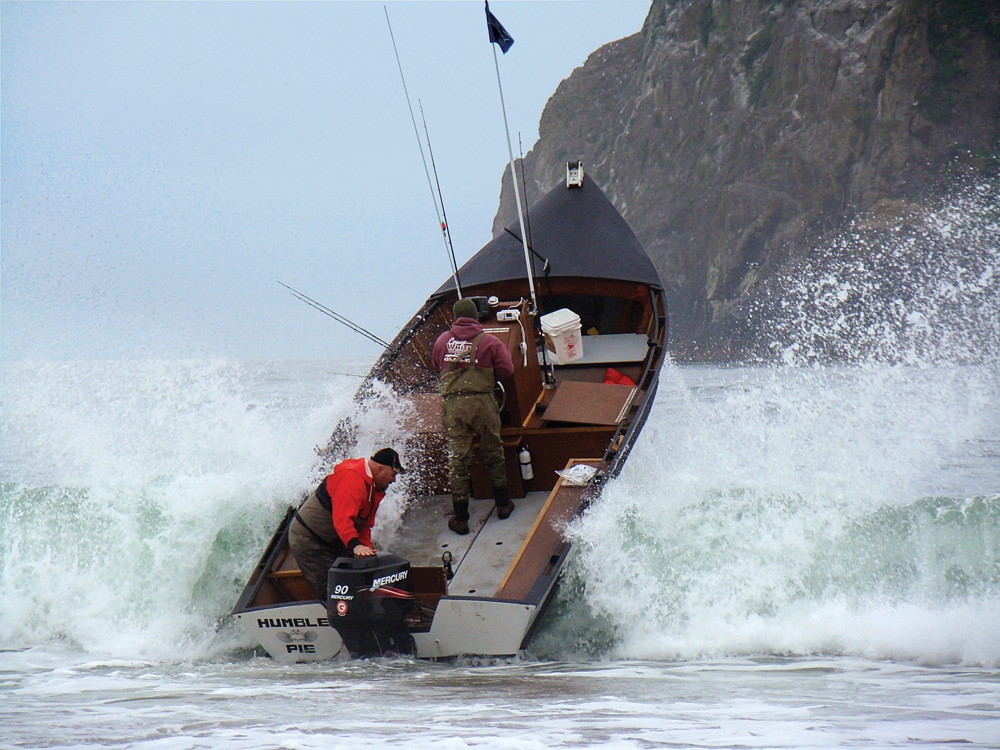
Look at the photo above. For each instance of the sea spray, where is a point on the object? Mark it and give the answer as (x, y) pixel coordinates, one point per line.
(851, 506)
(791, 528)
(136, 495)
(379, 419)
(904, 283)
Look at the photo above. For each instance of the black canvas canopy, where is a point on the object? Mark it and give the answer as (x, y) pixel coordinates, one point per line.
(577, 230)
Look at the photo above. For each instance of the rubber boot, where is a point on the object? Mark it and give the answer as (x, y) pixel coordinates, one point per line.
(502, 500)
(459, 523)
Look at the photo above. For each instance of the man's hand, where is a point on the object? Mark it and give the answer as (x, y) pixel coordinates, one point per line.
(363, 551)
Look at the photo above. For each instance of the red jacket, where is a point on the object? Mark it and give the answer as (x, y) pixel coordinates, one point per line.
(491, 351)
(354, 500)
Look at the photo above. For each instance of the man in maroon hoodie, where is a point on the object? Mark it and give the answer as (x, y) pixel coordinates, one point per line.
(470, 362)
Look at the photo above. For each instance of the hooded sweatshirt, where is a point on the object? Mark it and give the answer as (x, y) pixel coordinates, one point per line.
(491, 351)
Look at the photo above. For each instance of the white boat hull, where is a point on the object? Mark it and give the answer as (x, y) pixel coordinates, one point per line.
(475, 626)
(293, 633)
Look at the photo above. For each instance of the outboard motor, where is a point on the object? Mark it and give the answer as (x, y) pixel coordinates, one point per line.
(368, 599)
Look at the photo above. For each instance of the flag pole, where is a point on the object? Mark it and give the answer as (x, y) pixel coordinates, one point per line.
(499, 36)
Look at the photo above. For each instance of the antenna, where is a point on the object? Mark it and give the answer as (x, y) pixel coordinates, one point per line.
(442, 222)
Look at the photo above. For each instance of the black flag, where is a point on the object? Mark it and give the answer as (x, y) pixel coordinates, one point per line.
(498, 34)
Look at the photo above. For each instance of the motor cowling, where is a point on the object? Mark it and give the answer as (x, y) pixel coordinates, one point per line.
(368, 599)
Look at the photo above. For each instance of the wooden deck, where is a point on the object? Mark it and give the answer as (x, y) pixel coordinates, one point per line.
(535, 554)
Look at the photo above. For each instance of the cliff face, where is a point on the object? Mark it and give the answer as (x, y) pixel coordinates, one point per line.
(734, 135)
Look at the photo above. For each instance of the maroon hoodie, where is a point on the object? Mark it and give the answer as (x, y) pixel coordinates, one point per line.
(490, 353)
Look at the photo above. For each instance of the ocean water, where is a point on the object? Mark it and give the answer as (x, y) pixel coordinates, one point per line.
(804, 552)
(793, 557)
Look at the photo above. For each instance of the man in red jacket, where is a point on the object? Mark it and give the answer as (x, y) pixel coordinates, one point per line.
(470, 362)
(336, 519)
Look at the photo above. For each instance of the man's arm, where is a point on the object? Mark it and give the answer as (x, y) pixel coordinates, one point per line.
(437, 353)
(347, 493)
(503, 366)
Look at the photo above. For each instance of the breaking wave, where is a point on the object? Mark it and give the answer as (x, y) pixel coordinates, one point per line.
(132, 494)
(817, 508)
(795, 508)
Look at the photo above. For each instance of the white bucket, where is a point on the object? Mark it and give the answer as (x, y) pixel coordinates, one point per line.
(561, 331)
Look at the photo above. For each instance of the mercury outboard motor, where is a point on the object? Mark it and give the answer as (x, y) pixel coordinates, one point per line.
(368, 599)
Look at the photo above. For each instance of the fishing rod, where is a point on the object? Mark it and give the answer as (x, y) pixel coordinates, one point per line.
(350, 324)
(336, 316)
(538, 256)
(527, 213)
(442, 222)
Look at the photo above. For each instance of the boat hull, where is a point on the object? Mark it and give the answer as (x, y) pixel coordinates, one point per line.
(485, 593)
(484, 627)
(293, 632)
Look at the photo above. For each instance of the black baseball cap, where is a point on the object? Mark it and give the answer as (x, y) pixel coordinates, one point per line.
(389, 457)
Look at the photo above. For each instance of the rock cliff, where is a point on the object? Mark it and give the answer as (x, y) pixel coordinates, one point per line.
(738, 136)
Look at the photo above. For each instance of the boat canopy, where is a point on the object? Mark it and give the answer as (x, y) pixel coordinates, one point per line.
(575, 230)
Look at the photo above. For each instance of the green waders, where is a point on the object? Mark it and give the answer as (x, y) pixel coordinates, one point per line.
(468, 410)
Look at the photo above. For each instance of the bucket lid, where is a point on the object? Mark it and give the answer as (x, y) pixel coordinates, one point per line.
(560, 318)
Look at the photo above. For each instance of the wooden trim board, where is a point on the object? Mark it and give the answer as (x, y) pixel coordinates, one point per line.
(543, 537)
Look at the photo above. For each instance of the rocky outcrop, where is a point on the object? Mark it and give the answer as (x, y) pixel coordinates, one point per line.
(735, 135)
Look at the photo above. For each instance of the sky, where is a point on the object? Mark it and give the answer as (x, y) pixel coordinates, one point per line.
(164, 165)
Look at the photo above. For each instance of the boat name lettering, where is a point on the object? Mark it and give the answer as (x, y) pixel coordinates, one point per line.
(384, 580)
(292, 622)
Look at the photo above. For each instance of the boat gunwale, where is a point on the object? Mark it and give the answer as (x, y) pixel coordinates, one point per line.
(610, 465)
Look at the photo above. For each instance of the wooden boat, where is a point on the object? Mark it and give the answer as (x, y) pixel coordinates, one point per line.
(484, 593)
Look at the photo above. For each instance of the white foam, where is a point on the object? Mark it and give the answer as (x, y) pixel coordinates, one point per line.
(145, 491)
(776, 511)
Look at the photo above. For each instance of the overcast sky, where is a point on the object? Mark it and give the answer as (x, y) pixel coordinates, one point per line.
(165, 164)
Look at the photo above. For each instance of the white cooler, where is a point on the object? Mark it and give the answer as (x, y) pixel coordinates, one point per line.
(561, 331)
